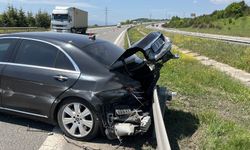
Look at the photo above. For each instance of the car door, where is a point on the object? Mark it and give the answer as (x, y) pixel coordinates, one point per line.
(7, 46)
(39, 73)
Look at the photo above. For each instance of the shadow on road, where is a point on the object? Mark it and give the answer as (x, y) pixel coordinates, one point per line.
(31, 125)
(138, 142)
(179, 125)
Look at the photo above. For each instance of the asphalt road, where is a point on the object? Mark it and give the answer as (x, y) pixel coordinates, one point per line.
(108, 33)
(23, 134)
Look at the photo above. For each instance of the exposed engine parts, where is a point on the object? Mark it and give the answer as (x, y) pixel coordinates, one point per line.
(126, 122)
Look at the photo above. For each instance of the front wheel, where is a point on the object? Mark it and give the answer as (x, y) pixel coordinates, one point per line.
(73, 30)
(78, 120)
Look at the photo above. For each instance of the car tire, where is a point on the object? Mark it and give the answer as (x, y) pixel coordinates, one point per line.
(73, 30)
(78, 120)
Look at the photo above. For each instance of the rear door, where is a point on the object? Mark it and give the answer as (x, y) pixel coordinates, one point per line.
(39, 73)
(7, 46)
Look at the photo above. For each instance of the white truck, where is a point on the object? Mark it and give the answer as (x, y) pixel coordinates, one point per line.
(119, 25)
(69, 19)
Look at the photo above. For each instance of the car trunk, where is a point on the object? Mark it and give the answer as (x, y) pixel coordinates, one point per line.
(154, 48)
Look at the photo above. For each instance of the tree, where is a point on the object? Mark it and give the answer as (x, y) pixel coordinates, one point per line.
(193, 15)
(236, 9)
(31, 19)
(11, 17)
(22, 19)
(1, 20)
(42, 19)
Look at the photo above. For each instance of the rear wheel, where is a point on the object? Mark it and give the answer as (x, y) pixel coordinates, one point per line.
(78, 120)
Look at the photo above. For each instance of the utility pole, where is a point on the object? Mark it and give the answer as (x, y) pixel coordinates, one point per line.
(166, 14)
(106, 16)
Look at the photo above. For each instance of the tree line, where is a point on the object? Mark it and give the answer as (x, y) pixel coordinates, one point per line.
(232, 11)
(14, 17)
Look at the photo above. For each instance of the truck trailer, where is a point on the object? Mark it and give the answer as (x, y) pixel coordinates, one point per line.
(69, 19)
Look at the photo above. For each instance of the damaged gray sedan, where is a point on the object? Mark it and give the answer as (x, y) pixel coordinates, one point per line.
(83, 85)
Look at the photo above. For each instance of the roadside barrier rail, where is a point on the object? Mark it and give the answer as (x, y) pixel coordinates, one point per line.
(160, 129)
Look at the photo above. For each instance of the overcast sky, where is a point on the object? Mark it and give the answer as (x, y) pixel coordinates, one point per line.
(119, 10)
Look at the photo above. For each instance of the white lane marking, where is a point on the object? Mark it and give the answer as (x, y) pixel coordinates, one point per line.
(57, 141)
(54, 142)
(120, 38)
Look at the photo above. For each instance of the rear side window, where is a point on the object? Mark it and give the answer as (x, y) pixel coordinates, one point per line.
(36, 53)
(104, 52)
(63, 62)
(5, 45)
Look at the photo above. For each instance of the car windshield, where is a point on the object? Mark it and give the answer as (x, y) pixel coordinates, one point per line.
(104, 52)
(61, 17)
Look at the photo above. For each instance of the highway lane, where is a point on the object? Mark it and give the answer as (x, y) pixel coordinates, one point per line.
(20, 133)
(108, 33)
(24, 134)
(226, 38)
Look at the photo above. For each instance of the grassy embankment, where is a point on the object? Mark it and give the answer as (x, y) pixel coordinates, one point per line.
(238, 27)
(212, 110)
(235, 55)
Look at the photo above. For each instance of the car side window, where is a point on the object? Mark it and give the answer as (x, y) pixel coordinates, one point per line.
(36, 53)
(63, 62)
(5, 45)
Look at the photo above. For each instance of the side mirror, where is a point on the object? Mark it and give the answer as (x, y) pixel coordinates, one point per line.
(70, 19)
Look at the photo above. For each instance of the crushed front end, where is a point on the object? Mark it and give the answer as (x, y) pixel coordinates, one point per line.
(127, 110)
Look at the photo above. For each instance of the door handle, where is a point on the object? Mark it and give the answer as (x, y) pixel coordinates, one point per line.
(61, 78)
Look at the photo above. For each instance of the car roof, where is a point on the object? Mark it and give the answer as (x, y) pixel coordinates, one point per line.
(78, 40)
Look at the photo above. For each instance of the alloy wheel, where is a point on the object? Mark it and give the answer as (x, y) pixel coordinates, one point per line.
(77, 119)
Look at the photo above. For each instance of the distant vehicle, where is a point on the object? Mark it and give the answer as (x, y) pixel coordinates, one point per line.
(83, 85)
(119, 25)
(69, 19)
(134, 22)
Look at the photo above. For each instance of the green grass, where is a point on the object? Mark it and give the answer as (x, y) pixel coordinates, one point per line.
(126, 45)
(134, 35)
(203, 90)
(223, 135)
(238, 27)
(212, 110)
(235, 55)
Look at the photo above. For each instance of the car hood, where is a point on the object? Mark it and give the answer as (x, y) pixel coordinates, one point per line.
(154, 46)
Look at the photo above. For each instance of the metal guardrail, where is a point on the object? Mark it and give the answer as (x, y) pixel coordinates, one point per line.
(19, 29)
(160, 129)
(129, 42)
(226, 38)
